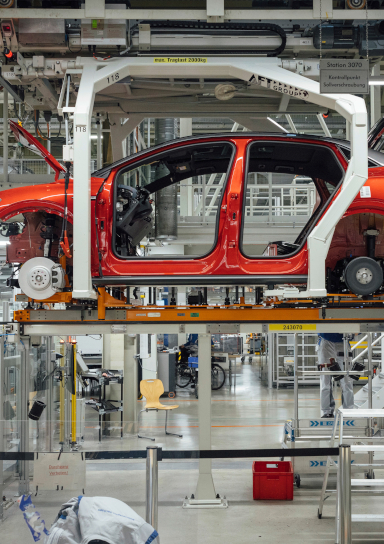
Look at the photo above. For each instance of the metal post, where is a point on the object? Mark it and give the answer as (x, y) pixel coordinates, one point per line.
(62, 393)
(370, 398)
(205, 487)
(130, 381)
(270, 358)
(344, 494)
(205, 496)
(51, 358)
(296, 380)
(66, 122)
(82, 282)
(49, 146)
(382, 354)
(186, 188)
(74, 396)
(99, 147)
(269, 198)
(2, 400)
(149, 132)
(24, 421)
(370, 371)
(375, 97)
(5, 136)
(5, 311)
(152, 486)
(295, 394)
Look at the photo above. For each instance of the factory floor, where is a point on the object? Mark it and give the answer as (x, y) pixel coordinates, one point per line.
(251, 416)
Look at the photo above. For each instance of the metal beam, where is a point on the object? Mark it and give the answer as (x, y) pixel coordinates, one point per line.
(215, 11)
(47, 91)
(284, 101)
(95, 9)
(324, 125)
(375, 98)
(192, 108)
(291, 123)
(5, 136)
(193, 14)
(120, 131)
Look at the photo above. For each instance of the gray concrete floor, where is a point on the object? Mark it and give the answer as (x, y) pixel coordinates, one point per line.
(250, 417)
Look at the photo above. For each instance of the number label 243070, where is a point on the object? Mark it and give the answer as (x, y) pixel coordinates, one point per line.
(292, 327)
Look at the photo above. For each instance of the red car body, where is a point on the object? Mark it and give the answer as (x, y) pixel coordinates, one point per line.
(226, 260)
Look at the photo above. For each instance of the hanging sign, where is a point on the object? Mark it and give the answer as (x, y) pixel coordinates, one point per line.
(339, 76)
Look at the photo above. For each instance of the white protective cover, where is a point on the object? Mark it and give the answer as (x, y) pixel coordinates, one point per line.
(85, 519)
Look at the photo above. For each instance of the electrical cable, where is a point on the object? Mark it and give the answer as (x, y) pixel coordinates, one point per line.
(37, 128)
(16, 114)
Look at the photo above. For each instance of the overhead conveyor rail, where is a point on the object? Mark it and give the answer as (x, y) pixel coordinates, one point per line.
(199, 319)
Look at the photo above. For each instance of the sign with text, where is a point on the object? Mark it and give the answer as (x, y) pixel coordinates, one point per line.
(53, 471)
(339, 76)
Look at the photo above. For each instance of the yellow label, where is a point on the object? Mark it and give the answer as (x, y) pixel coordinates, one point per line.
(292, 327)
(180, 60)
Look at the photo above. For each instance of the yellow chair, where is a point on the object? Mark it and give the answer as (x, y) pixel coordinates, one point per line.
(152, 391)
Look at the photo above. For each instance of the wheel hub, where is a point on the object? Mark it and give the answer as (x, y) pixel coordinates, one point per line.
(40, 278)
(364, 276)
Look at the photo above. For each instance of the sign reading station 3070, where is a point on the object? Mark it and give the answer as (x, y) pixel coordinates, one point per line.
(344, 76)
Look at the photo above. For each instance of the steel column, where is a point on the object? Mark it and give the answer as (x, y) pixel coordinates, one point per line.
(99, 147)
(82, 282)
(370, 399)
(51, 358)
(375, 97)
(106, 351)
(5, 305)
(205, 486)
(344, 494)
(186, 188)
(152, 487)
(5, 136)
(130, 381)
(296, 380)
(2, 400)
(23, 415)
(270, 355)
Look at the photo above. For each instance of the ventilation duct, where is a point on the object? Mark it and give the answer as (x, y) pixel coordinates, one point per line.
(166, 199)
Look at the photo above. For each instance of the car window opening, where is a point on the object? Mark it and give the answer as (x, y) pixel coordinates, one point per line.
(287, 189)
(150, 202)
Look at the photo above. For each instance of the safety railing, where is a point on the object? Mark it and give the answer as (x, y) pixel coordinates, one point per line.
(153, 455)
(279, 200)
(34, 166)
(203, 195)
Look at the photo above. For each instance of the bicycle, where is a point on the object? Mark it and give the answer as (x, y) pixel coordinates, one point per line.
(186, 375)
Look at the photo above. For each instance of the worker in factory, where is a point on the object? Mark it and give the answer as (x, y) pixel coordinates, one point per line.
(331, 356)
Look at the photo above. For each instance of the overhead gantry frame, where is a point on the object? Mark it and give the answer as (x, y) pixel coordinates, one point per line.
(97, 75)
